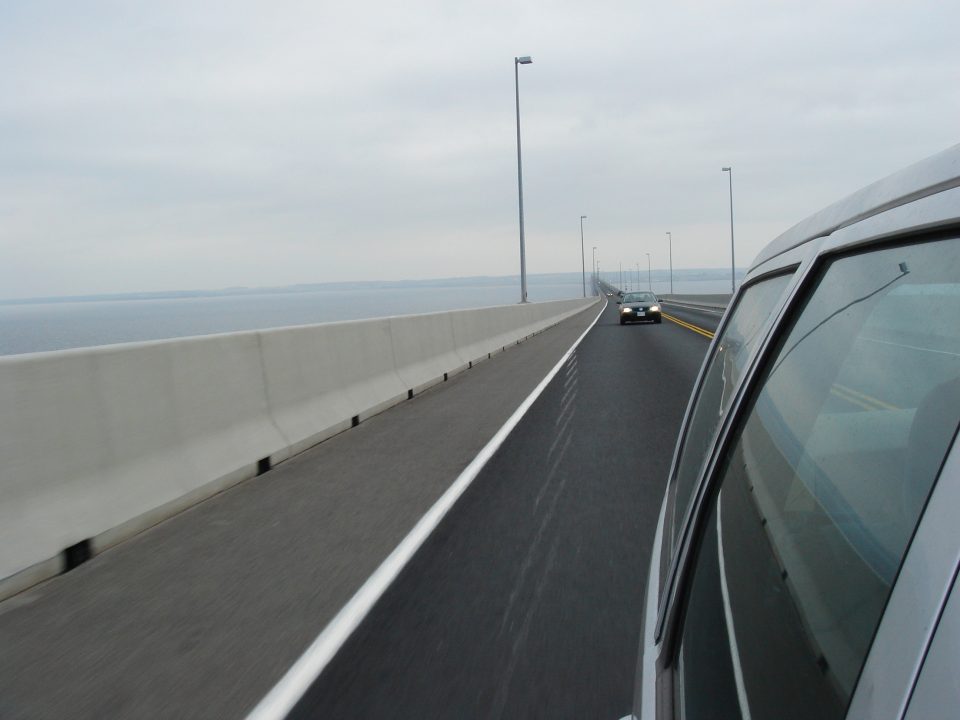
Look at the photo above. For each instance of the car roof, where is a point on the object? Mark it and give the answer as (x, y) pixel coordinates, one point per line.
(927, 177)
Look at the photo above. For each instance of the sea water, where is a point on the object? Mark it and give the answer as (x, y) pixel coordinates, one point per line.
(36, 326)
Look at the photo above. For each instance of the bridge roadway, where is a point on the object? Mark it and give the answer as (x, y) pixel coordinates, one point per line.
(525, 602)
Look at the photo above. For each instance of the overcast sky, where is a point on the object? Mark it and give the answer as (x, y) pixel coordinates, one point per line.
(187, 145)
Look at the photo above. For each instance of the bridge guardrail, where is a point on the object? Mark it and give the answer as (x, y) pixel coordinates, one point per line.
(717, 301)
(707, 302)
(101, 443)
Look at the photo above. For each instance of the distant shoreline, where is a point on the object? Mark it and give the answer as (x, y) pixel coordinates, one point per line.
(696, 274)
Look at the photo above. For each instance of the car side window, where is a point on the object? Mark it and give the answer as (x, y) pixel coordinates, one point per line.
(822, 488)
(721, 377)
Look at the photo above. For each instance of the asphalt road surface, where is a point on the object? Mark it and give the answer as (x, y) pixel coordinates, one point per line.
(526, 600)
(199, 616)
(527, 596)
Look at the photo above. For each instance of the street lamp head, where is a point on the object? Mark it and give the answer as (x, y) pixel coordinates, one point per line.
(583, 217)
(726, 169)
(525, 60)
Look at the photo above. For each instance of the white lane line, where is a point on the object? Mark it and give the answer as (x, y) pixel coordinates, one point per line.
(698, 308)
(728, 614)
(910, 347)
(291, 687)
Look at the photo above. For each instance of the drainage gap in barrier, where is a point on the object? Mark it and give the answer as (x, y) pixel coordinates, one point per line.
(410, 394)
(77, 555)
(354, 421)
(469, 364)
(263, 464)
(489, 355)
(444, 377)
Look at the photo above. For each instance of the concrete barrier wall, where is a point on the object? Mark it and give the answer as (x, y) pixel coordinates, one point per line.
(98, 444)
(720, 300)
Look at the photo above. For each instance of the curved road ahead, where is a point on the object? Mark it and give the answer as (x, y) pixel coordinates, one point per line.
(526, 600)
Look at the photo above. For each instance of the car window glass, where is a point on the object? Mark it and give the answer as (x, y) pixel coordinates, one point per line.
(721, 378)
(820, 494)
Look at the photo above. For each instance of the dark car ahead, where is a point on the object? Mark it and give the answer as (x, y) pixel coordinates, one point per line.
(639, 307)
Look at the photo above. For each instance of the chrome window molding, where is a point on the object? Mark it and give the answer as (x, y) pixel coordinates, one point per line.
(923, 179)
(930, 214)
(920, 592)
(680, 565)
(645, 706)
(934, 688)
(788, 265)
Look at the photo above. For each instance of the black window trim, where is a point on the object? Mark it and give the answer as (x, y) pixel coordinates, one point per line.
(678, 571)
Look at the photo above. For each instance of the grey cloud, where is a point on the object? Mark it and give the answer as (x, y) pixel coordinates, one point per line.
(183, 145)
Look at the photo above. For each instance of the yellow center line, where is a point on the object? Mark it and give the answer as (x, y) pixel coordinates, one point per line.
(688, 326)
(879, 404)
(850, 399)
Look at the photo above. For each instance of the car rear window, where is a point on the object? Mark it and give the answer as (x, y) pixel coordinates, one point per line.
(822, 489)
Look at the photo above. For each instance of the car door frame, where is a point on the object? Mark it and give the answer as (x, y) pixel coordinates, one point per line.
(913, 219)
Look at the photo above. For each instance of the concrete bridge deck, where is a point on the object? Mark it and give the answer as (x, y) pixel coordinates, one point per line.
(240, 584)
(201, 615)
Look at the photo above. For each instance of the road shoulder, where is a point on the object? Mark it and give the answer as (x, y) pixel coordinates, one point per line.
(202, 614)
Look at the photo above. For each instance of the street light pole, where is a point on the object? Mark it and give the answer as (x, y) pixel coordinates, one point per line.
(649, 281)
(621, 277)
(733, 265)
(583, 262)
(517, 62)
(594, 266)
(670, 238)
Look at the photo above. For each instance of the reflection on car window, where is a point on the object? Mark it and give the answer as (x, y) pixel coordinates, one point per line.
(639, 297)
(720, 379)
(822, 490)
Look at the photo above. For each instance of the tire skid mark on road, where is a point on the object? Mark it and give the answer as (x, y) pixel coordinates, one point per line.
(553, 470)
(569, 409)
(500, 701)
(563, 400)
(528, 560)
(568, 399)
(300, 677)
(547, 517)
(560, 435)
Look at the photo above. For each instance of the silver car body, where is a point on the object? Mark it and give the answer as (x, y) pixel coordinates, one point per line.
(912, 664)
